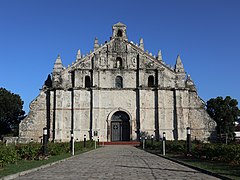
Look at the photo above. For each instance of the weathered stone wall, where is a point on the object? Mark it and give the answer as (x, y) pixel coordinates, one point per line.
(31, 128)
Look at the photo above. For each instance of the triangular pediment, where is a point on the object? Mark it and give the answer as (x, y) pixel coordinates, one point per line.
(104, 56)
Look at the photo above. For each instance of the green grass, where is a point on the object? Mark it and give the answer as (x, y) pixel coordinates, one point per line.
(24, 165)
(221, 168)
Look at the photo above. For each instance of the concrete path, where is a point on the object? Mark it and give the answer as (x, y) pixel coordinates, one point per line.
(117, 162)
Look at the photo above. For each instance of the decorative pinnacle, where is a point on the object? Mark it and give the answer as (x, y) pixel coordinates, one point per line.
(179, 66)
(159, 55)
(96, 45)
(141, 44)
(78, 54)
(58, 60)
(58, 64)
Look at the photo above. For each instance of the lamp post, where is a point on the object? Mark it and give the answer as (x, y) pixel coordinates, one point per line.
(44, 141)
(84, 141)
(164, 145)
(188, 140)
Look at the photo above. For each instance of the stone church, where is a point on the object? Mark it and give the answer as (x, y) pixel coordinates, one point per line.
(117, 92)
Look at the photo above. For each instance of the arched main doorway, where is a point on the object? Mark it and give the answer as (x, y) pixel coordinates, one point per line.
(120, 126)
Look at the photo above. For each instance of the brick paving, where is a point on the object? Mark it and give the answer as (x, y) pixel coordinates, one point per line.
(116, 162)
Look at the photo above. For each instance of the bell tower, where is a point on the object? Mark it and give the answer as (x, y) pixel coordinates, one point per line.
(119, 31)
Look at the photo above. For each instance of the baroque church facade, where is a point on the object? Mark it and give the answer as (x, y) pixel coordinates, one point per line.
(117, 93)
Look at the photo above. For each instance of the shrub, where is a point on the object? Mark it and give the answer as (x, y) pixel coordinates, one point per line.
(8, 154)
(219, 152)
(175, 146)
(58, 148)
(28, 151)
(32, 151)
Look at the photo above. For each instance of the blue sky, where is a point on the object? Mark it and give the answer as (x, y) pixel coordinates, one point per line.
(206, 34)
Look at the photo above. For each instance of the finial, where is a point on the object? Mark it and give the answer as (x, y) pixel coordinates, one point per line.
(96, 45)
(141, 44)
(58, 64)
(159, 55)
(179, 59)
(58, 60)
(78, 54)
(179, 66)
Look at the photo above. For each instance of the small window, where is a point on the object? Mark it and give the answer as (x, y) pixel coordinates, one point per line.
(119, 33)
(119, 82)
(151, 81)
(119, 62)
(87, 82)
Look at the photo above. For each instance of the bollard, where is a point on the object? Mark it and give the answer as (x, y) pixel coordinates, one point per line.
(164, 145)
(44, 141)
(188, 140)
(72, 143)
(145, 141)
(84, 141)
(152, 140)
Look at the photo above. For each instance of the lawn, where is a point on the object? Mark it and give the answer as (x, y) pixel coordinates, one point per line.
(221, 168)
(23, 165)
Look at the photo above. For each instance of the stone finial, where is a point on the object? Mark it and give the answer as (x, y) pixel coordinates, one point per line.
(79, 56)
(96, 45)
(58, 67)
(159, 55)
(141, 44)
(179, 66)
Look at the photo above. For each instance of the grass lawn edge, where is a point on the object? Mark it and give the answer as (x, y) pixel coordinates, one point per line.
(191, 166)
(15, 175)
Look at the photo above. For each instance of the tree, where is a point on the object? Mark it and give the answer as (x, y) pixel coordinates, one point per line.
(11, 112)
(225, 112)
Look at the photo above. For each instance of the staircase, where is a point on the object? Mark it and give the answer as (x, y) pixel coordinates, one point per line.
(130, 143)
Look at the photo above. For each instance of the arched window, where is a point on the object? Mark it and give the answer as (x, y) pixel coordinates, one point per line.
(150, 81)
(119, 82)
(87, 82)
(119, 62)
(119, 33)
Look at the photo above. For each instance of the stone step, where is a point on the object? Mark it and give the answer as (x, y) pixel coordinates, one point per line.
(131, 143)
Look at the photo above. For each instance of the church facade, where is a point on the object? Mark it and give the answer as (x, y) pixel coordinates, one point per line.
(118, 92)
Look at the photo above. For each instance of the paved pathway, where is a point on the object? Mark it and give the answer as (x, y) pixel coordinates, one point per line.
(117, 162)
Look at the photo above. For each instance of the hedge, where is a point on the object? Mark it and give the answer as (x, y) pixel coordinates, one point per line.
(33, 151)
(229, 153)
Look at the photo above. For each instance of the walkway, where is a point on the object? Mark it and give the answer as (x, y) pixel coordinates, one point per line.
(117, 162)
